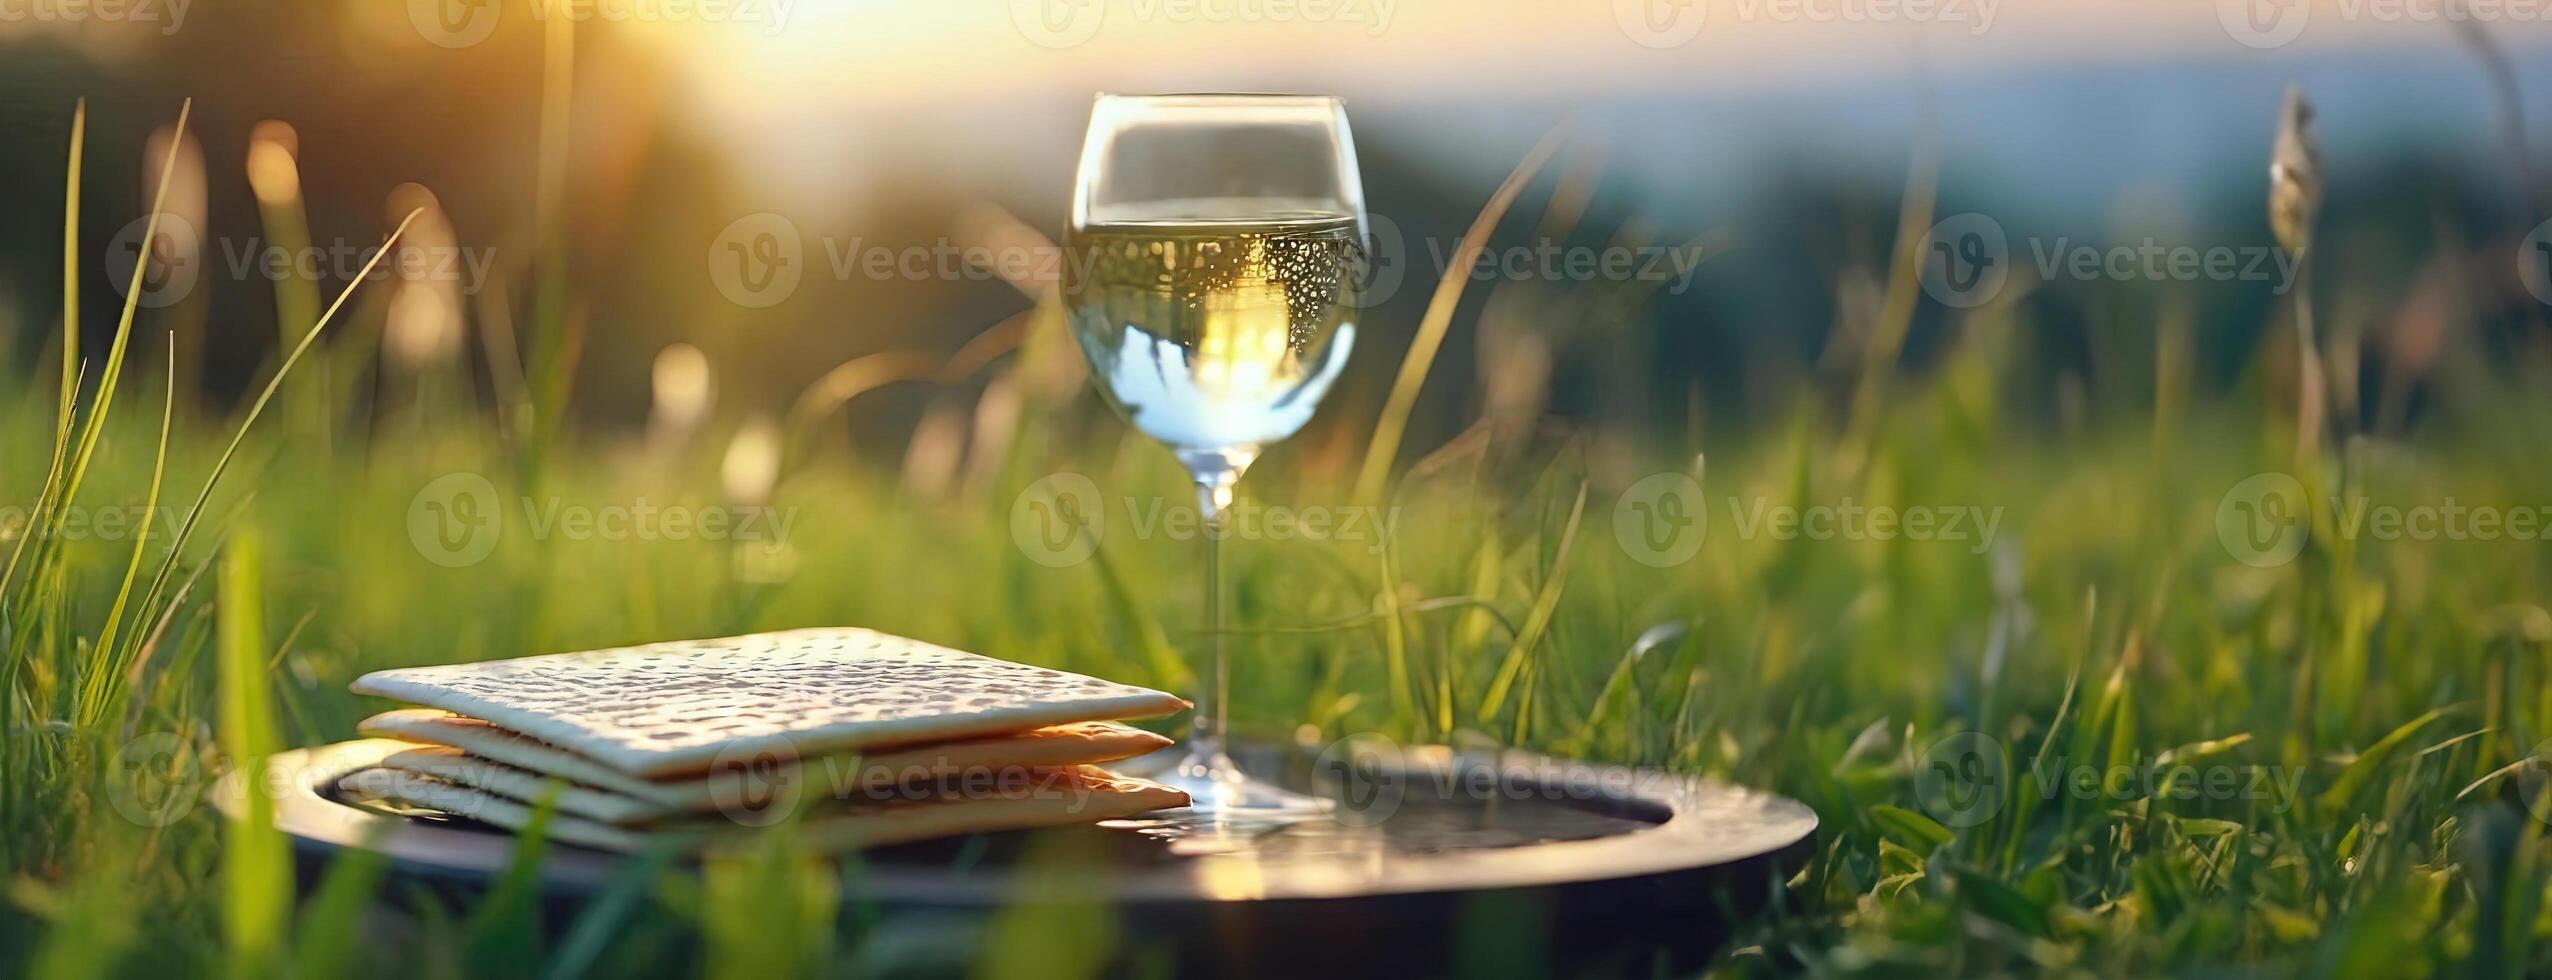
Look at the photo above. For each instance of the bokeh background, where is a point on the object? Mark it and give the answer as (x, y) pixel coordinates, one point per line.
(1778, 137)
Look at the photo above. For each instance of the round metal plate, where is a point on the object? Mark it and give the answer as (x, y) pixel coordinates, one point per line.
(1619, 867)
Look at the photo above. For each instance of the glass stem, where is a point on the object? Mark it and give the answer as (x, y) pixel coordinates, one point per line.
(1213, 500)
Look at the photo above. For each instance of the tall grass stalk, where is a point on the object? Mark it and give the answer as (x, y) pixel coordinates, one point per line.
(274, 175)
(256, 870)
(54, 499)
(94, 690)
(1391, 428)
(1896, 313)
(71, 262)
(117, 661)
(553, 344)
(114, 368)
(1516, 671)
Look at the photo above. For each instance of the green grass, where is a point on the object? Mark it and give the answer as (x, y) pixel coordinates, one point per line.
(2386, 695)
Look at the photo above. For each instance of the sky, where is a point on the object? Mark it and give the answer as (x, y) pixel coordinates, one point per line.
(2065, 102)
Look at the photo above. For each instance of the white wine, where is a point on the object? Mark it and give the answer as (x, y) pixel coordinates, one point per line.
(1216, 325)
(1214, 267)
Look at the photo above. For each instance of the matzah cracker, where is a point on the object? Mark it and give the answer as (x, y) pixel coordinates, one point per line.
(411, 790)
(1080, 795)
(1059, 745)
(452, 765)
(671, 708)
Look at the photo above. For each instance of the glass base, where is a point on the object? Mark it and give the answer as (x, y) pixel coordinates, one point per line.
(1226, 808)
(1216, 785)
(1229, 793)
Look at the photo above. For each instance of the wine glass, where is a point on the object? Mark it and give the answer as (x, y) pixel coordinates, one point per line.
(1217, 249)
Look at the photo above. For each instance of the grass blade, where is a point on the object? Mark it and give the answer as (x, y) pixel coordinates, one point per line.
(333, 922)
(503, 934)
(70, 355)
(257, 889)
(2361, 772)
(1387, 433)
(1539, 621)
(93, 928)
(592, 932)
(274, 175)
(105, 399)
(71, 262)
(195, 512)
(102, 681)
(1910, 830)
(771, 912)
(552, 350)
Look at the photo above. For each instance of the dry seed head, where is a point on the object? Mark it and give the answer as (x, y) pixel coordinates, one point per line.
(180, 243)
(278, 132)
(274, 168)
(2294, 175)
(185, 181)
(684, 389)
(424, 324)
(752, 463)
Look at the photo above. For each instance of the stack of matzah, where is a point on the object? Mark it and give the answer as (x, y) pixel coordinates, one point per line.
(867, 738)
